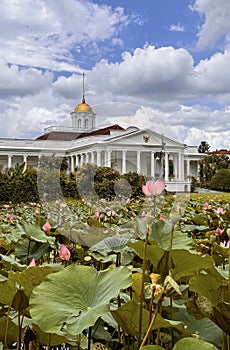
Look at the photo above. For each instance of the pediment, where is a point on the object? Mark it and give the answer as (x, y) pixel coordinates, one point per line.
(144, 138)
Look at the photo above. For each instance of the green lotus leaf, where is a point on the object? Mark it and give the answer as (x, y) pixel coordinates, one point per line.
(20, 301)
(156, 255)
(205, 285)
(186, 263)
(76, 296)
(34, 233)
(110, 244)
(30, 277)
(152, 347)
(194, 344)
(200, 219)
(204, 328)
(221, 316)
(10, 262)
(52, 339)
(161, 232)
(128, 315)
(7, 292)
(27, 250)
(12, 331)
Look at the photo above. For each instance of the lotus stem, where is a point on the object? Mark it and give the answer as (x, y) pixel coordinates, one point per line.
(170, 250)
(142, 284)
(150, 326)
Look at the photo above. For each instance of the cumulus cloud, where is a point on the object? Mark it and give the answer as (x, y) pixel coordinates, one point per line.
(17, 81)
(46, 34)
(149, 71)
(41, 39)
(216, 21)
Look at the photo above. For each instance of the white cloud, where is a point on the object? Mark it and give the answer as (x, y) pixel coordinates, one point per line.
(216, 21)
(148, 72)
(40, 33)
(17, 81)
(176, 28)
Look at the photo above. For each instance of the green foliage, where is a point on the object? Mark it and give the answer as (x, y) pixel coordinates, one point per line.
(135, 181)
(203, 147)
(51, 182)
(170, 284)
(18, 186)
(76, 297)
(210, 165)
(221, 181)
(194, 344)
(104, 182)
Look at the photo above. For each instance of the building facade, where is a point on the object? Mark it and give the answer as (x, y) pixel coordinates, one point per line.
(137, 150)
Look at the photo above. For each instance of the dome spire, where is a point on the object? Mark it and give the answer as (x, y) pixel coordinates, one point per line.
(83, 87)
(83, 106)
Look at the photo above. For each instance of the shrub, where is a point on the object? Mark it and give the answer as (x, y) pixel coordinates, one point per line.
(221, 181)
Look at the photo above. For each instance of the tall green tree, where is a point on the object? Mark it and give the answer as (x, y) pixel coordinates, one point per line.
(203, 147)
(210, 165)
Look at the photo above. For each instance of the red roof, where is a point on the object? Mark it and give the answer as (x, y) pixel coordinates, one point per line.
(221, 151)
(68, 136)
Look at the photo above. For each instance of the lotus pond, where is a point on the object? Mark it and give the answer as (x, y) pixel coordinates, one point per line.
(151, 273)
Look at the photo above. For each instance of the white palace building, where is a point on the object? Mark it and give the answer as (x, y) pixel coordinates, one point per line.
(137, 150)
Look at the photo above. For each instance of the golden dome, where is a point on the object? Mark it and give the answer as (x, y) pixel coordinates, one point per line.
(83, 107)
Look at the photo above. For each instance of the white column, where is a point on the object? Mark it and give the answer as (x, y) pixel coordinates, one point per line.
(9, 161)
(138, 162)
(98, 158)
(175, 166)
(188, 167)
(76, 161)
(123, 162)
(81, 159)
(92, 157)
(180, 167)
(87, 157)
(166, 166)
(182, 163)
(152, 162)
(72, 163)
(109, 158)
(25, 162)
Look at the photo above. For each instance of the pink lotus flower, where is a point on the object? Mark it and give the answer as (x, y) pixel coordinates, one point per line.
(153, 188)
(32, 263)
(46, 227)
(207, 206)
(218, 231)
(64, 252)
(110, 213)
(224, 244)
(97, 214)
(219, 211)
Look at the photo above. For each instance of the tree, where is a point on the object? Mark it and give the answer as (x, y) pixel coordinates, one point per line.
(210, 165)
(203, 147)
(221, 180)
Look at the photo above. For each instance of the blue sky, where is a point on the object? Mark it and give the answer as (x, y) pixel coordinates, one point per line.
(161, 64)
